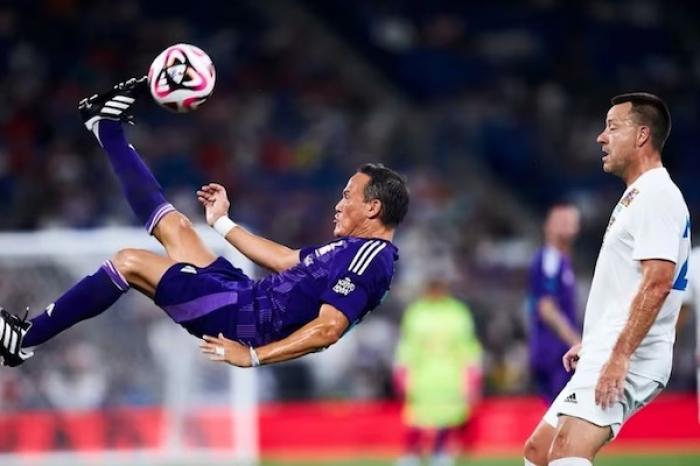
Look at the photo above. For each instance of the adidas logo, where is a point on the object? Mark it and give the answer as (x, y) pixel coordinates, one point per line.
(189, 269)
(571, 398)
(117, 105)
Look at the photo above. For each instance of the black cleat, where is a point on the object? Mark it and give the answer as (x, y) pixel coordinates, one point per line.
(114, 104)
(12, 332)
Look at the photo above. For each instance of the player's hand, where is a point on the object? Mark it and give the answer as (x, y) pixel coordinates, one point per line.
(611, 383)
(570, 359)
(221, 349)
(215, 201)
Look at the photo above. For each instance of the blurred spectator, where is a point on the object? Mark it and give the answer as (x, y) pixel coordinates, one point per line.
(438, 369)
(78, 380)
(75, 382)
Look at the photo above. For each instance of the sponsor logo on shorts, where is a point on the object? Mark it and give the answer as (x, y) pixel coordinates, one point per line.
(571, 398)
(189, 269)
(49, 309)
(344, 286)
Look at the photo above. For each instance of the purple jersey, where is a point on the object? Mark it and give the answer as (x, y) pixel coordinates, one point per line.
(351, 274)
(551, 275)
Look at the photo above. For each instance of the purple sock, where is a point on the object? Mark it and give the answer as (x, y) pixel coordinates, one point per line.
(143, 192)
(89, 297)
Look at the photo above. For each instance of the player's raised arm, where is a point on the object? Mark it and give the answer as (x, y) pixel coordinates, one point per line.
(262, 251)
(320, 333)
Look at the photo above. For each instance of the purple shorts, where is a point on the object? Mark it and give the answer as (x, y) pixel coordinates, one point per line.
(206, 300)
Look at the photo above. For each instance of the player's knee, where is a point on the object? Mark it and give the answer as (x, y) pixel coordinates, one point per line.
(173, 226)
(535, 453)
(127, 262)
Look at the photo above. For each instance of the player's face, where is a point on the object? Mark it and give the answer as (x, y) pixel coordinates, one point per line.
(352, 210)
(563, 223)
(618, 139)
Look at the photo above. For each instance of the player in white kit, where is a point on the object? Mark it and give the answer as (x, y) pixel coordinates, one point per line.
(624, 359)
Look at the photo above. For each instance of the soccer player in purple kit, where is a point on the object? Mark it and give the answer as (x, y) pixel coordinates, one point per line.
(315, 295)
(552, 301)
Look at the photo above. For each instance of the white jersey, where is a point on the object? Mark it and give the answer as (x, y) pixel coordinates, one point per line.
(650, 221)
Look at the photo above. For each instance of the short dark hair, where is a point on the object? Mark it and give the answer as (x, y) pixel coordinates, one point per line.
(390, 189)
(649, 110)
(564, 203)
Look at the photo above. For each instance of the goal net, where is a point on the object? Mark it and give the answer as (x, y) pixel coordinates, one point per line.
(128, 387)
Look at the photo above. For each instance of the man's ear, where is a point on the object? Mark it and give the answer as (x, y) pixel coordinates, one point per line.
(643, 135)
(374, 208)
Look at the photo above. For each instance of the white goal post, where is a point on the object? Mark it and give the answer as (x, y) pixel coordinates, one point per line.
(36, 267)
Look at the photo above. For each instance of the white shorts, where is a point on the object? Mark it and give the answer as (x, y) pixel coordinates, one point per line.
(577, 399)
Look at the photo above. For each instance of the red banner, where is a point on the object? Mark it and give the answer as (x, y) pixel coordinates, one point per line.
(500, 425)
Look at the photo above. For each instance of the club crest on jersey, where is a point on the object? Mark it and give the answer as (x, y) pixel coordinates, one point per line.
(344, 286)
(629, 197)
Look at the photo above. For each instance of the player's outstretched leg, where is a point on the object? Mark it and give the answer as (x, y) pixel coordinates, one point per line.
(88, 298)
(103, 114)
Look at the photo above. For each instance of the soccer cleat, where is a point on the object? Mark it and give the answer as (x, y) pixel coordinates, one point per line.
(12, 332)
(114, 104)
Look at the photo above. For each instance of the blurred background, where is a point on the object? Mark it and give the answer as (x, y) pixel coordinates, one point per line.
(490, 109)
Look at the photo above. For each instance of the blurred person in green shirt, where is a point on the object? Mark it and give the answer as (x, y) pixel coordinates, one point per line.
(437, 371)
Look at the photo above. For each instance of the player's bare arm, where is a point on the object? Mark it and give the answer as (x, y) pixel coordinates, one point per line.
(553, 317)
(318, 334)
(262, 251)
(657, 280)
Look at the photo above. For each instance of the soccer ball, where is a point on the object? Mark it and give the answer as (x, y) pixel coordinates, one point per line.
(181, 78)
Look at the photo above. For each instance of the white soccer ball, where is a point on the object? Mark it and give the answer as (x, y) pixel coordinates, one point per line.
(181, 78)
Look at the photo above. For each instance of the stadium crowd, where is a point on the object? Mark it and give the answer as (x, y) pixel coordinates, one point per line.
(492, 113)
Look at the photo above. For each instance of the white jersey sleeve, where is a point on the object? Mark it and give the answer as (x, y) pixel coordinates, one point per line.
(655, 226)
